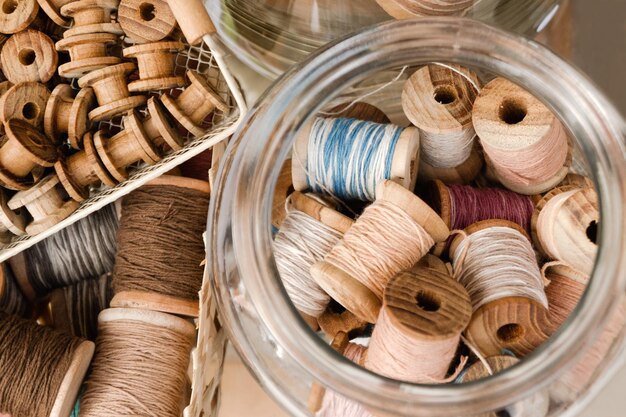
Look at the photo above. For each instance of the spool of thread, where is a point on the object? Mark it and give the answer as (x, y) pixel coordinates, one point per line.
(525, 144)
(495, 262)
(391, 235)
(409, 9)
(566, 225)
(12, 301)
(438, 100)
(42, 370)
(348, 158)
(140, 365)
(160, 246)
(419, 328)
(84, 250)
(565, 289)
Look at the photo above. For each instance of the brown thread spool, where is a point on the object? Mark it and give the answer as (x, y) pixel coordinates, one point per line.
(66, 114)
(111, 91)
(349, 291)
(160, 129)
(193, 19)
(25, 101)
(91, 16)
(52, 8)
(17, 15)
(408, 9)
(46, 202)
(514, 323)
(146, 21)
(22, 150)
(194, 104)
(87, 53)
(29, 56)
(82, 170)
(157, 65)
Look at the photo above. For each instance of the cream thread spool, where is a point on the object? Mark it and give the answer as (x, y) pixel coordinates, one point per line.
(66, 114)
(16, 16)
(146, 21)
(438, 101)
(350, 291)
(29, 56)
(409, 9)
(87, 53)
(157, 66)
(24, 101)
(52, 8)
(91, 16)
(526, 146)
(513, 322)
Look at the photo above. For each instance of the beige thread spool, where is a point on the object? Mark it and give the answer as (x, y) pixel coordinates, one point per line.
(91, 16)
(409, 9)
(52, 8)
(24, 101)
(111, 91)
(66, 114)
(46, 203)
(29, 56)
(194, 104)
(348, 290)
(146, 21)
(157, 65)
(16, 16)
(82, 170)
(87, 53)
(509, 119)
(439, 101)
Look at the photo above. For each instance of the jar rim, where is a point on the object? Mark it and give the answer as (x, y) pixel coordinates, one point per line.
(297, 96)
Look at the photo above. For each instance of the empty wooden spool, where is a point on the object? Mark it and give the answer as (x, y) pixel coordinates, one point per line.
(160, 129)
(17, 15)
(157, 64)
(24, 101)
(82, 170)
(111, 91)
(91, 16)
(52, 8)
(146, 20)
(12, 223)
(409, 9)
(194, 104)
(87, 53)
(29, 56)
(68, 115)
(22, 150)
(46, 202)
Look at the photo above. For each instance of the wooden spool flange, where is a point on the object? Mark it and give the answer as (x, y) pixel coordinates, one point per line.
(68, 115)
(146, 20)
(29, 56)
(193, 19)
(17, 15)
(284, 187)
(194, 104)
(160, 302)
(52, 8)
(127, 147)
(157, 66)
(409, 9)
(91, 16)
(111, 91)
(349, 291)
(24, 101)
(576, 180)
(159, 128)
(46, 203)
(21, 151)
(87, 53)
(12, 223)
(82, 170)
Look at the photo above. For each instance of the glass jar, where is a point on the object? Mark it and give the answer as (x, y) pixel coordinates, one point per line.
(267, 331)
(271, 35)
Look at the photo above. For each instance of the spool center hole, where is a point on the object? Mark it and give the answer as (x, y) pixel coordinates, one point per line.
(428, 301)
(27, 56)
(146, 11)
(512, 111)
(9, 6)
(445, 95)
(592, 231)
(30, 111)
(510, 333)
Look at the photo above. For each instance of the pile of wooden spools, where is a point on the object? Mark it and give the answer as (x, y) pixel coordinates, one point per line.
(72, 67)
(449, 247)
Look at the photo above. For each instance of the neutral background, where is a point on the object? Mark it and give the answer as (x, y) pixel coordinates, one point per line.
(599, 49)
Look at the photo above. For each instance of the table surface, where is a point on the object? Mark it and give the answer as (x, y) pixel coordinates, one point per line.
(599, 50)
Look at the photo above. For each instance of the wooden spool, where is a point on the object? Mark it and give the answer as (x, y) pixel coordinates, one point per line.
(507, 117)
(21, 151)
(194, 104)
(160, 302)
(409, 9)
(516, 324)
(347, 290)
(157, 65)
(66, 115)
(533, 406)
(573, 229)
(17, 15)
(160, 129)
(111, 91)
(193, 19)
(91, 16)
(129, 146)
(146, 21)
(565, 289)
(284, 187)
(73, 381)
(12, 223)
(52, 8)
(87, 53)
(24, 101)
(82, 170)
(29, 56)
